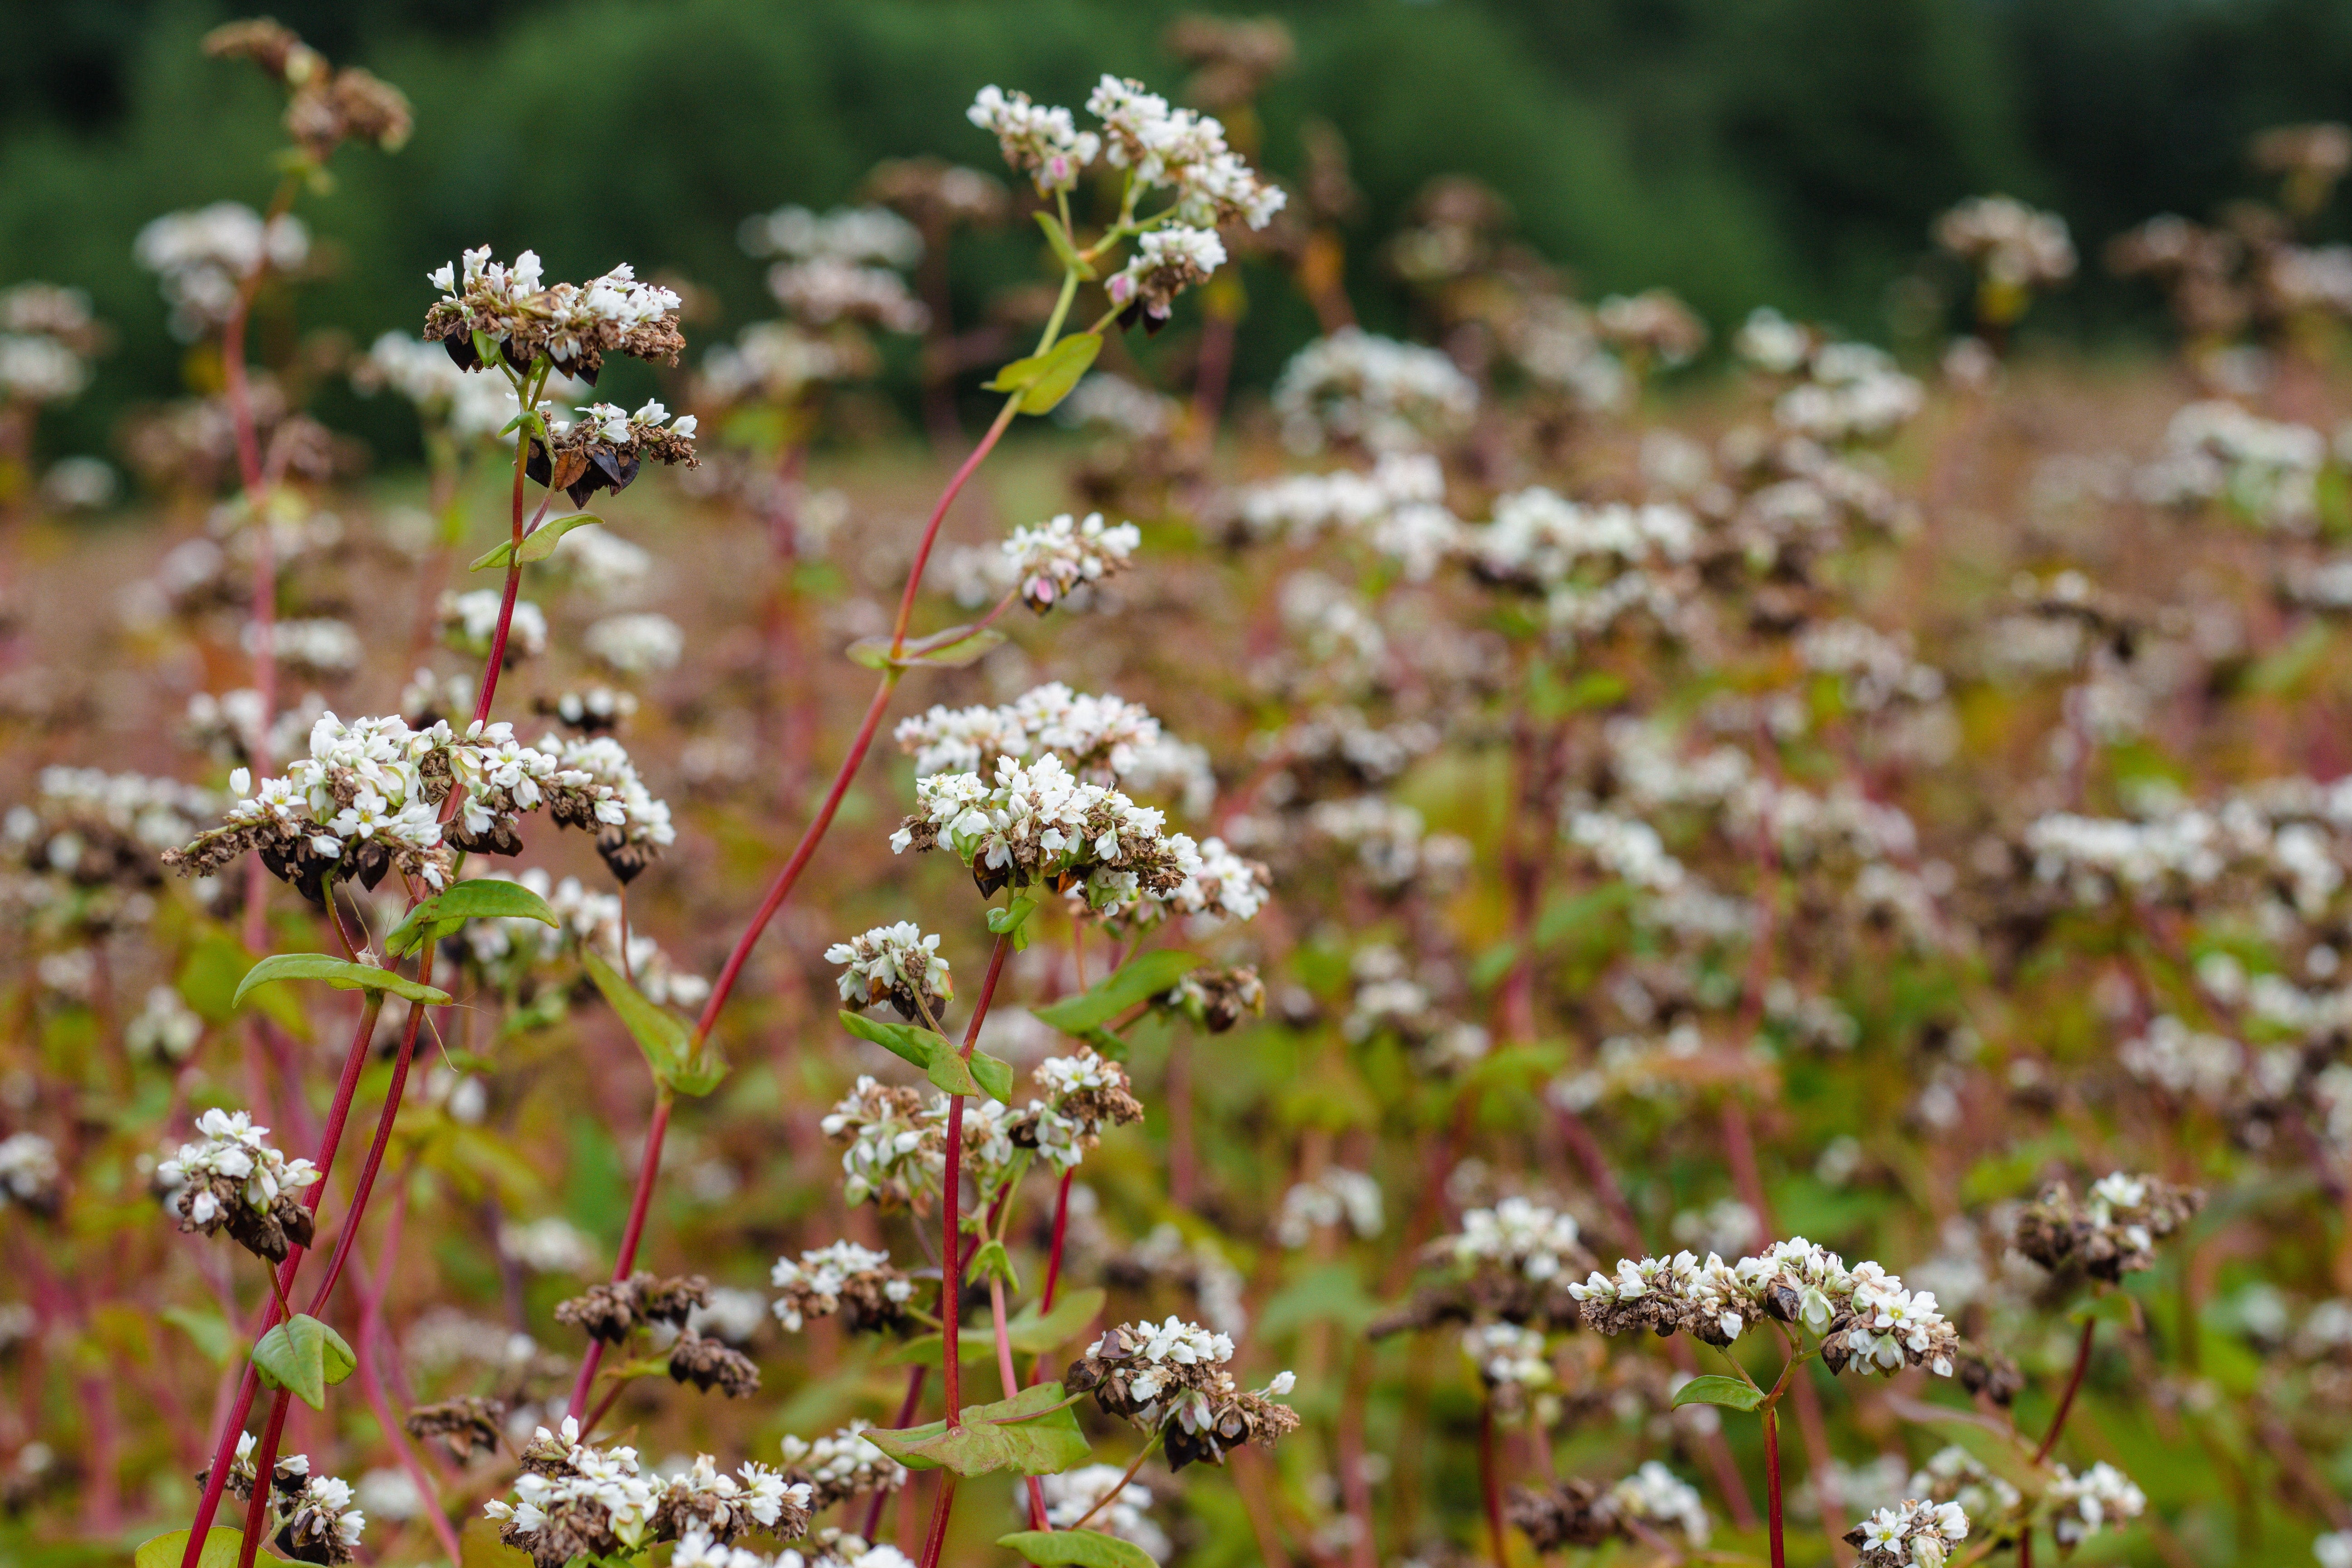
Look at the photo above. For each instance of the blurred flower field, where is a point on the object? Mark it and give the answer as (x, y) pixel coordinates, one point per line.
(1595, 935)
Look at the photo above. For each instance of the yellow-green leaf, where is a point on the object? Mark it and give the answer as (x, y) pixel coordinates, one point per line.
(221, 1545)
(669, 1047)
(305, 1356)
(339, 972)
(1085, 1548)
(482, 899)
(537, 545)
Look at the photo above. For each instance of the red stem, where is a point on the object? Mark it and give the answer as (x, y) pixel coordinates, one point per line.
(935, 1536)
(224, 1447)
(1772, 1484)
(2074, 1386)
(938, 515)
(1061, 1232)
(372, 1384)
(1490, 1482)
(648, 1169)
(1012, 1386)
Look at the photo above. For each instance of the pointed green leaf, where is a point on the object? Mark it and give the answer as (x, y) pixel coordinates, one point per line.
(669, 1045)
(1138, 981)
(537, 545)
(1032, 1434)
(994, 1076)
(305, 1356)
(482, 899)
(991, 1261)
(485, 349)
(1086, 1548)
(949, 1074)
(1028, 1332)
(339, 972)
(1064, 364)
(1013, 916)
(1064, 251)
(1735, 1393)
(221, 1547)
(212, 1333)
(917, 1045)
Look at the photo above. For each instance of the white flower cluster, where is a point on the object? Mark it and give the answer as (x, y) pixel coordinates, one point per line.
(1134, 411)
(572, 323)
(28, 1170)
(1051, 558)
(1339, 1195)
(578, 1496)
(1956, 1475)
(470, 619)
(1162, 146)
(609, 423)
(1156, 1349)
(166, 1029)
(640, 643)
(1371, 392)
(1043, 142)
(816, 1283)
(1513, 1361)
(1520, 1236)
(1391, 841)
(1544, 540)
(621, 803)
(1656, 1495)
(1772, 343)
(2267, 469)
(2013, 245)
(1398, 509)
(1627, 849)
(1865, 1315)
(774, 360)
(887, 959)
(203, 256)
(39, 369)
(234, 1148)
(1102, 739)
(823, 291)
(1854, 393)
(858, 236)
(843, 1463)
(895, 1150)
(1877, 670)
(320, 1522)
(1040, 823)
(80, 816)
(318, 644)
(1919, 1534)
(46, 336)
(1075, 1495)
(1166, 262)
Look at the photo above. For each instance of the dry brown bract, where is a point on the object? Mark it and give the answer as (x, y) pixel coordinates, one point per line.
(589, 455)
(1571, 1512)
(2109, 1234)
(324, 107)
(264, 1233)
(710, 1363)
(614, 1311)
(465, 1427)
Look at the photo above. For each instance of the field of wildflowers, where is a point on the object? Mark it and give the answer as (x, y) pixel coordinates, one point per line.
(1503, 953)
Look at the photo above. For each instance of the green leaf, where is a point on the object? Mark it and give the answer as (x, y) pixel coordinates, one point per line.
(339, 972)
(212, 1333)
(1063, 364)
(537, 545)
(1138, 981)
(221, 1548)
(1064, 251)
(920, 1045)
(669, 1047)
(483, 899)
(990, 1260)
(2106, 1307)
(951, 649)
(479, 1547)
(951, 1074)
(1027, 1331)
(1032, 1434)
(994, 1076)
(485, 349)
(208, 981)
(305, 1356)
(1737, 1393)
(1013, 916)
(1088, 1548)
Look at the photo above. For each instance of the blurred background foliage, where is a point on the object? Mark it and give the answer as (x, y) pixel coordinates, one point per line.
(1784, 151)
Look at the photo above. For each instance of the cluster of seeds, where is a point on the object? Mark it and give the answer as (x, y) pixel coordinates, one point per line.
(1173, 1376)
(855, 1281)
(1910, 1535)
(841, 1465)
(2110, 1232)
(1580, 1512)
(1864, 1315)
(573, 325)
(616, 1309)
(573, 1499)
(897, 964)
(1039, 824)
(1051, 558)
(605, 448)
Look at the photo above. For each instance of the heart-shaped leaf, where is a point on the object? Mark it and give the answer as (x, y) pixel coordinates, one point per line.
(917, 1045)
(221, 1547)
(482, 899)
(1144, 978)
(339, 972)
(1028, 1332)
(669, 1046)
(993, 1075)
(951, 1074)
(1059, 370)
(991, 1261)
(1088, 1548)
(1032, 1434)
(305, 1356)
(537, 545)
(1735, 1392)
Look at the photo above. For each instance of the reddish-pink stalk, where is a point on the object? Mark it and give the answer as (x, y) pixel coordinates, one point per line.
(1490, 1482)
(952, 1251)
(936, 1535)
(938, 515)
(225, 1448)
(628, 1258)
(1772, 1484)
(2074, 1386)
(1012, 1386)
(372, 1384)
(1061, 1232)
